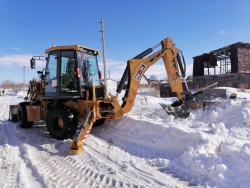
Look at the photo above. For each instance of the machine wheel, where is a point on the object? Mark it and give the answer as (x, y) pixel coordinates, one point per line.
(99, 122)
(61, 122)
(22, 116)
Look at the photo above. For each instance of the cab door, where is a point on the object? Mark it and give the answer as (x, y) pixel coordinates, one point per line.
(69, 80)
(51, 74)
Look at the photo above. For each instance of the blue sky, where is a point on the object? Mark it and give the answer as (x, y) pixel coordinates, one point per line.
(29, 27)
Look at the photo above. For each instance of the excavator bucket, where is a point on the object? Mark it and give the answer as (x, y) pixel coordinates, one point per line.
(181, 108)
(178, 109)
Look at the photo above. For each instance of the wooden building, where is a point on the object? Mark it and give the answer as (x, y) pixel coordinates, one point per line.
(234, 58)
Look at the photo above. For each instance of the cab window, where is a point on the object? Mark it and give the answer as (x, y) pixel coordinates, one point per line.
(69, 81)
(51, 73)
(89, 69)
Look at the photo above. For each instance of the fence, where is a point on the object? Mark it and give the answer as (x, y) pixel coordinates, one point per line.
(227, 80)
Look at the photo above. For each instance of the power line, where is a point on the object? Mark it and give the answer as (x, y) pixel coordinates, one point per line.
(163, 18)
(107, 37)
(29, 36)
(151, 18)
(136, 9)
(114, 51)
(47, 29)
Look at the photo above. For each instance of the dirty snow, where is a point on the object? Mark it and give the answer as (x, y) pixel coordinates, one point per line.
(146, 148)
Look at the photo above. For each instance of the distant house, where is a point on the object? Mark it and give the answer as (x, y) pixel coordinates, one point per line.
(143, 83)
(229, 66)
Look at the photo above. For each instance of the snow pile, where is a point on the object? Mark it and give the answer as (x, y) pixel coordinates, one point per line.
(111, 85)
(22, 94)
(225, 149)
(210, 147)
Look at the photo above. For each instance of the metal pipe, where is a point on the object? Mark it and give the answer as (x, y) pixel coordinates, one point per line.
(126, 72)
(85, 120)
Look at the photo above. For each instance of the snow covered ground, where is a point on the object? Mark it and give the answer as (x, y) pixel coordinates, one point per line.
(146, 148)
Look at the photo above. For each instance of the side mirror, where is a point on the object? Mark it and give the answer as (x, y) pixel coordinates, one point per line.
(32, 63)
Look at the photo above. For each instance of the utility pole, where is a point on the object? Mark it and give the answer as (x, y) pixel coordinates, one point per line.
(104, 55)
(23, 77)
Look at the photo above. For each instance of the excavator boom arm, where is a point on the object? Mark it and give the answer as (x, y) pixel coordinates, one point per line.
(137, 67)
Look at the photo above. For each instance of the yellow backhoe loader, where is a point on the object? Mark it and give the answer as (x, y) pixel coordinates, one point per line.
(69, 93)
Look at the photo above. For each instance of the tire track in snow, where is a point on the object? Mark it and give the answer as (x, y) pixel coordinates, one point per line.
(57, 169)
(143, 152)
(73, 171)
(92, 168)
(18, 172)
(135, 177)
(30, 139)
(23, 173)
(133, 168)
(13, 165)
(9, 167)
(9, 151)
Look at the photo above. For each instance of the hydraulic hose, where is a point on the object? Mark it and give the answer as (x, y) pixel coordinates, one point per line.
(182, 65)
(126, 72)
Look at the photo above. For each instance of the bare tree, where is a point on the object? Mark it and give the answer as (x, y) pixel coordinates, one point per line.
(19, 86)
(153, 77)
(8, 84)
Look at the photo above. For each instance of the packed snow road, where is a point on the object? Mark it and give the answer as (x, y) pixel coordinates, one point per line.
(31, 158)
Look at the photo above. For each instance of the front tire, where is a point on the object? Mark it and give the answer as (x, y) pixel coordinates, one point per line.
(60, 123)
(22, 116)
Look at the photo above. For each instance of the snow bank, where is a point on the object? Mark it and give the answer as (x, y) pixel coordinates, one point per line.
(210, 147)
(22, 93)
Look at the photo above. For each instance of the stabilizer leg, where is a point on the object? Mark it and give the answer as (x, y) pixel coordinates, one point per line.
(76, 145)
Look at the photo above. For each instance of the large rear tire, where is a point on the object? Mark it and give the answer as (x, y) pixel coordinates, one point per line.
(61, 123)
(22, 116)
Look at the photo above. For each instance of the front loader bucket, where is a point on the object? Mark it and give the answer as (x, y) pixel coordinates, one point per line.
(13, 113)
(178, 109)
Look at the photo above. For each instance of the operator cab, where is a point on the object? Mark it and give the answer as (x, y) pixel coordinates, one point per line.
(70, 71)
